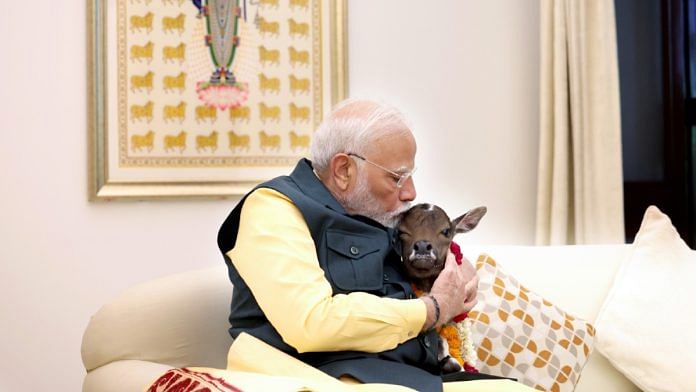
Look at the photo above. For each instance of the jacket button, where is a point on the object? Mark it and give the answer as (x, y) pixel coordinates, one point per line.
(427, 342)
(386, 278)
(354, 250)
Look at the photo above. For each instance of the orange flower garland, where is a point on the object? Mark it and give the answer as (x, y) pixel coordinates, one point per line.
(457, 332)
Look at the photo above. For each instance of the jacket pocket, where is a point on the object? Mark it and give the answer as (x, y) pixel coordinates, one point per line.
(355, 262)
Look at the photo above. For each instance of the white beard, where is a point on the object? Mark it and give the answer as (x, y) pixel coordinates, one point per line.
(361, 201)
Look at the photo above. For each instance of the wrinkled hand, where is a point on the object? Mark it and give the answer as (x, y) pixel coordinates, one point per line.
(455, 289)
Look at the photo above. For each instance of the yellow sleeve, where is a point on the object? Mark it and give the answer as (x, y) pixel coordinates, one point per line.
(275, 255)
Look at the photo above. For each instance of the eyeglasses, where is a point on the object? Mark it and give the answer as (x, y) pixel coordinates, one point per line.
(400, 178)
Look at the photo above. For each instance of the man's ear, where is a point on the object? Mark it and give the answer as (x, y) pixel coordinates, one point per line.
(468, 221)
(342, 170)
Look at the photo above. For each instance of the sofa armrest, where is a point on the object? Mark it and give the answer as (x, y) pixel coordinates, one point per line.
(179, 320)
(123, 376)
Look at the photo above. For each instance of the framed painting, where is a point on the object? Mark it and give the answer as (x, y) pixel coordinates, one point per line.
(207, 98)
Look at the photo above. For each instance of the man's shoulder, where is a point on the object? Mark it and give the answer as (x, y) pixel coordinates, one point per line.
(262, 204)
(286, 186)
(266, 195)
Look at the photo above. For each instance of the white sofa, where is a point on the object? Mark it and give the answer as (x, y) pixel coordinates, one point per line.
(181, 320)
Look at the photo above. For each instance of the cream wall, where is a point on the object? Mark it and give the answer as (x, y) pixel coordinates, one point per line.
(465, 72)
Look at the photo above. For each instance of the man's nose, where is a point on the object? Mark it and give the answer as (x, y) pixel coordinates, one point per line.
(407, 193)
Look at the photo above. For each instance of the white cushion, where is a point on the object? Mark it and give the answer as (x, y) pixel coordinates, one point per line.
(646, 325)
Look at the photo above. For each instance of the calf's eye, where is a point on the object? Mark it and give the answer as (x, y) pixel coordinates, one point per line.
(446, 232)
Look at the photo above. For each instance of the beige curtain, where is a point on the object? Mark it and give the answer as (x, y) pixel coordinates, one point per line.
(580, 183)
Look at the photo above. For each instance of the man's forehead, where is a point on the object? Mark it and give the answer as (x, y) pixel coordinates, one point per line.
(399, 148)
(399, 139)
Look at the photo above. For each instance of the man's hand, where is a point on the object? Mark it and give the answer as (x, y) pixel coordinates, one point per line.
(454, 290)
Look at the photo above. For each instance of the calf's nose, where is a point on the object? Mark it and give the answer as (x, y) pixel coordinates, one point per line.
(422, 247)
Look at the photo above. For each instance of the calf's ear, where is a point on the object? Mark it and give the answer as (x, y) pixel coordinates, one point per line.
(468, 221)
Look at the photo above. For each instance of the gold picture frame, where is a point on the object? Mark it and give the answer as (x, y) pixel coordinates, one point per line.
(154, 68)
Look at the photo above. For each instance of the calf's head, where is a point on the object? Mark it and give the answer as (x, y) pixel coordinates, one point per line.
(426, 232)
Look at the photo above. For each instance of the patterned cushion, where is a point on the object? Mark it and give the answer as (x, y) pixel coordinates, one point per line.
(184, 379)
(521, 335)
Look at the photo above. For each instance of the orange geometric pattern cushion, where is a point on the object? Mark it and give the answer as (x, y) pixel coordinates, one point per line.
(521, 335)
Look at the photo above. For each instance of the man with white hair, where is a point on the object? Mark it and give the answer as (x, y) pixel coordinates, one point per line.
(313, 263)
